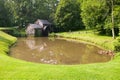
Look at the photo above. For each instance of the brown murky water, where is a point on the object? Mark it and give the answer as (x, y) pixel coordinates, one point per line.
(56, 51)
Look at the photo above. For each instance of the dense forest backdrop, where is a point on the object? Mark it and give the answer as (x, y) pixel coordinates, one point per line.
(65, 15)
(21, 12)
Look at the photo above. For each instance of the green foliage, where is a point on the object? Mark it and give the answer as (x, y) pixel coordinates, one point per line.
(93, 13)
(97, 14)
(4, 17)
(22, 12)
(107, 31)
(90, 36)
(117, 44)
(18, 32)
(116, 14)
(15, 69)
(68, 16)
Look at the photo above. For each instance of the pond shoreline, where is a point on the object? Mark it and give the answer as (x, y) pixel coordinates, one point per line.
(84, 38)
(80, 40)
(58, 51)
(11, 68)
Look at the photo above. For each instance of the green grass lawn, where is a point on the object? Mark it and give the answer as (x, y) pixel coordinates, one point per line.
(8, 28)
(14, 69)
(89, 36)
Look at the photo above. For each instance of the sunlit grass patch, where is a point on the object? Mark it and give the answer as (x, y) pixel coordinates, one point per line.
(104, 41)
(14, 69)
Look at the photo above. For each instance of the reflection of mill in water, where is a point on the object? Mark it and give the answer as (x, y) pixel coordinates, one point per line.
(48, 57)
(56, 51)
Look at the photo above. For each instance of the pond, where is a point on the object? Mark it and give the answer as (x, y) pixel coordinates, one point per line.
(56, 51)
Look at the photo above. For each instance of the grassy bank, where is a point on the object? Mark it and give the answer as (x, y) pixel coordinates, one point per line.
(14, 69)
(90, 36)
(8, 28)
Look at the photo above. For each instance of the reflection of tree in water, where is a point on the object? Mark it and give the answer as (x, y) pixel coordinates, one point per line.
(43, 50)
(91, 55)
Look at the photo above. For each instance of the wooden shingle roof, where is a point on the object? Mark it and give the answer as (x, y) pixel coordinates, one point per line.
(43, 21)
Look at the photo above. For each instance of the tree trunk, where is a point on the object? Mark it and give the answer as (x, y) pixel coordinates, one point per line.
(113, 31)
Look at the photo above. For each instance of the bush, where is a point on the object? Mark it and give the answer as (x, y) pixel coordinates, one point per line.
(18, 33)
(108, 32)
(117, 44)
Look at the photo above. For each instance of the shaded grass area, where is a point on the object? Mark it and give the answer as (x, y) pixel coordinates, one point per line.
(14, 69)
(15, 31)
(8, 28)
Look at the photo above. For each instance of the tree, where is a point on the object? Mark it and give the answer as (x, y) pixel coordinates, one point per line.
(114, 10)
(19, 11)
(1, 15)
(113, 31)
(27, 11)
(67, 15)
(93, 13)
(101, 15)
(4, 18)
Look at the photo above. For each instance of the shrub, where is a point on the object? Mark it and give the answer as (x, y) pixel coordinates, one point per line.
(108, 32)
(117, 44)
